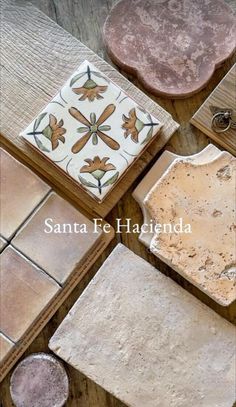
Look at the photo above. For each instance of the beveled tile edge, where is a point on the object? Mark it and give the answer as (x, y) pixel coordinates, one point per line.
(47, 187)
(200, 160)
(10, 344)
(157, 171)
(3, 243)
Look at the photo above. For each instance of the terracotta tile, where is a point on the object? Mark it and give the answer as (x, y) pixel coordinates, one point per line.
(57, 253)
(5, 346)
(203, 196)
(3, 243)
(146, 340)
(21, 191)
(166, 47)
(25, 291)
(92, 130)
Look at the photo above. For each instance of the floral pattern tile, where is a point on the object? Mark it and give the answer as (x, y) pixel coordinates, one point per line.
(92, 130)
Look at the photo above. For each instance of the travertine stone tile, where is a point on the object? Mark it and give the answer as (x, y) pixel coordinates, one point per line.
(25, 291)
(3, 243)
(21, 191)
(5, 346)
(57, 253)
(146, 340)
(203, 195)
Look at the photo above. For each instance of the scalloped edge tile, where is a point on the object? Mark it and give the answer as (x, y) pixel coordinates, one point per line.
(140, 36)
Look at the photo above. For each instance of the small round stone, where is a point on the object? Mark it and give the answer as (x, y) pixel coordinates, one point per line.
(40, 380)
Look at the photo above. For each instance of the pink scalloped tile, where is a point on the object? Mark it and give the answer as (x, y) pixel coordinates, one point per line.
(173, 46)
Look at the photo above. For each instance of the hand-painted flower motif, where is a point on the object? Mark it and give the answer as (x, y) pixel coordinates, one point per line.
(94, 129)
(98, 168)
(133, 125)
(53, 131)
(90, 89)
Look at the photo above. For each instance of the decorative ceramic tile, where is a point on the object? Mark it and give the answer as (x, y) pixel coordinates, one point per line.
(92, 130)
(3, 243)
(146, 340)
(173, 46)
(25, 291)
(5, 346)
(21, 192)
(56, 248)
(203, 196)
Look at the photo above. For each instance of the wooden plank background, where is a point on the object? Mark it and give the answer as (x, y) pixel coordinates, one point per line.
(37, 58)
(224, 96)
(84, 20)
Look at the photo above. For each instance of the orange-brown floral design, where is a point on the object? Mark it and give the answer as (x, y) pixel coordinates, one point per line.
(53, 131)
(94, 129)
(133, 125)
(98, 168)
(90, 89)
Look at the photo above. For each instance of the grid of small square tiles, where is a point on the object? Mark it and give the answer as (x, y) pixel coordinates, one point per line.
(34, 266)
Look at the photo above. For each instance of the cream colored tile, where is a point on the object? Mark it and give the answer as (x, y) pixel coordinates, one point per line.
(92, 130)
(146, 340)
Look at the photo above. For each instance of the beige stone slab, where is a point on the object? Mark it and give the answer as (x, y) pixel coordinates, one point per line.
(5, 346)
(146, 340)
(25, 292)
(21, 192)
(203, 196)
(60, 251)
(156, 172)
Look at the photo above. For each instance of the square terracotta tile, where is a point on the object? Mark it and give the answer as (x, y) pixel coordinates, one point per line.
(5, 346)
(25, 291)
(56, 253)
(148, 341)
(3, 243)
(21, 192)
(92, 130)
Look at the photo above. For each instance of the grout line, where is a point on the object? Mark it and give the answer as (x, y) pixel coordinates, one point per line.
(8, 337)
(31, 214)
(35, 264)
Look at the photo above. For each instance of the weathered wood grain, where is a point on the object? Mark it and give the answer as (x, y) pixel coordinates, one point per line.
(224, 96)
(37, 58)
(84, 19)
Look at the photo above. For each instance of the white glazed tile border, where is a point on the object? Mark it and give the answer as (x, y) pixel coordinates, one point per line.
(119, 104)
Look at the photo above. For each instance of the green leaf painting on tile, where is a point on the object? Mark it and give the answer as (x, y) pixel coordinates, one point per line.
(94, 129)
(98, 168)
(53, 131)
(133, 126)
(90, 89)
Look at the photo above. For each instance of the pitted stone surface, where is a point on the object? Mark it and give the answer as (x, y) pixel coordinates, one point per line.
(173, 46)
(146, 340)
(204, 197)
